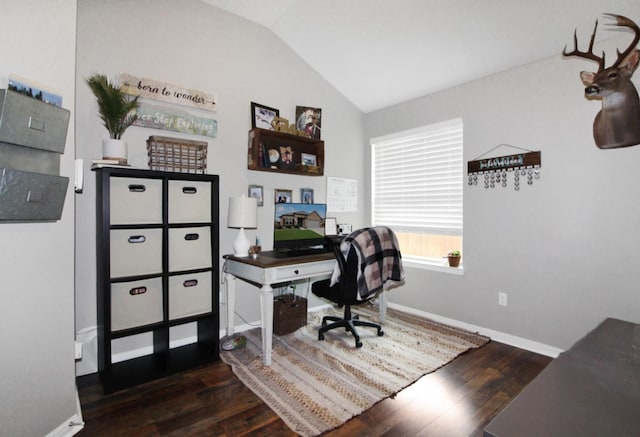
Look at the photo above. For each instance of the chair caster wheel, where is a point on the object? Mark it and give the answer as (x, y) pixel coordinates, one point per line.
(359, 344)
(380, 333)
(320, 337)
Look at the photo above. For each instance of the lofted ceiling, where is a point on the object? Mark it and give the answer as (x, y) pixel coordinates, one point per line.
(379, 53)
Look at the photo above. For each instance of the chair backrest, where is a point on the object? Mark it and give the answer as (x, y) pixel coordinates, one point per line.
(377, 261)
(348, 283)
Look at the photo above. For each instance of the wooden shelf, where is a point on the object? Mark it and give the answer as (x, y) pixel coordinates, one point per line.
(264, 143)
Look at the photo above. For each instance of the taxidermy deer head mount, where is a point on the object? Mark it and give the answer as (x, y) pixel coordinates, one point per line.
(618, 122)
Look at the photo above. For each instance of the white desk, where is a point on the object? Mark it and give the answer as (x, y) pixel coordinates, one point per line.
(263, 272)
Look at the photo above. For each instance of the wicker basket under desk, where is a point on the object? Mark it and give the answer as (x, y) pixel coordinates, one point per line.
(289, 313)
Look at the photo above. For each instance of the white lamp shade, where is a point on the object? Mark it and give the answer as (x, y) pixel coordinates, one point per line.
(243, 212)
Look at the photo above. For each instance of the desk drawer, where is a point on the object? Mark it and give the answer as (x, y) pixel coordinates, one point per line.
(136, 303)
(135, 252)
(189, 248)
(301, 271)
(135, 201)
(189, 295)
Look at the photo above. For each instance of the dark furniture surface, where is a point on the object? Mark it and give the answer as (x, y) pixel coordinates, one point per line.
(593, 389)
(264, 143)
(157, 271)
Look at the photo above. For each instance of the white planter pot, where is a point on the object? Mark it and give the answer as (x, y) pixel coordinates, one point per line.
(114, 149)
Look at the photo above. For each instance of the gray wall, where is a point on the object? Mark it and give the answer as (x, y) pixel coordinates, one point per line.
(191, 44)
(37, 378)
(565, 249)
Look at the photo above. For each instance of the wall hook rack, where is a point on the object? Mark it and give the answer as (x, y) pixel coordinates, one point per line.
(527, 164)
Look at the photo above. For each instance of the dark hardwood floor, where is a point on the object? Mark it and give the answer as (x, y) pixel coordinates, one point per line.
(459, 399)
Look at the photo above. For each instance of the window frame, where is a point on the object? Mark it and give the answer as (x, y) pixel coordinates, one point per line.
(446, 137)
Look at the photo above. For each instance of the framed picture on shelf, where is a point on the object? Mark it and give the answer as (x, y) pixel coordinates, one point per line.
(308, 159)
(309, 120)
(282, 196)
(306, 195)
(286, 157)
(262, 116)
(257, 192)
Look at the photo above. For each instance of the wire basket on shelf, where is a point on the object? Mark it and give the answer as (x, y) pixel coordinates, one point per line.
(177, 154)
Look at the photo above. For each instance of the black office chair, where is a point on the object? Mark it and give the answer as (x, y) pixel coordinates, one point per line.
(346, 293)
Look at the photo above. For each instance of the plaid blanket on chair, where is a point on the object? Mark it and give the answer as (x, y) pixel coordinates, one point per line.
(379, 259)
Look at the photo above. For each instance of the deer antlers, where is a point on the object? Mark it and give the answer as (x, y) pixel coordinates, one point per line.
(589, 54)
(624, 21)
(620, 21)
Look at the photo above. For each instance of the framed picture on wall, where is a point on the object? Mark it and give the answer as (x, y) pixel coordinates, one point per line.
(283, 196)
(306, 195)
(262, 116)
(257, 192)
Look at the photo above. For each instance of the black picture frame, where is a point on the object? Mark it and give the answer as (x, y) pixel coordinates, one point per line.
(286, 157)
(309, 120)
(262, 116)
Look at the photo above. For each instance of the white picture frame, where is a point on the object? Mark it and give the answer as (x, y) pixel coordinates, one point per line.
(308, 159)
(330, 226)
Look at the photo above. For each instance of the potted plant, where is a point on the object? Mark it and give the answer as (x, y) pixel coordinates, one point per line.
(454, 258)
(116, 111)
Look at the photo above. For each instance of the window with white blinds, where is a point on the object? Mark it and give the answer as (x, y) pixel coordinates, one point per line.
(417, 185)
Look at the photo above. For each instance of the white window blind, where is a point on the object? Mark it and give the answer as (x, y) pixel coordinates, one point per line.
(417, 179)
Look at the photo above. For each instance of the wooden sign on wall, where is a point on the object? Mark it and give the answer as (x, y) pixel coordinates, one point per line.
(159, 117)
(494, 170)
(509, 162)
(164, 92)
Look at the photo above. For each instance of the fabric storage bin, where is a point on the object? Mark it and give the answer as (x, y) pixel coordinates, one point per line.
(135, 252)
(136, 303)
(189, 248)
(135, 200)
(189, 295)
(32, 123)
(189, 201)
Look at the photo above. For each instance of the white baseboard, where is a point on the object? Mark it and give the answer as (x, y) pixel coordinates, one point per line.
(498, 336)
(501, 337)
(148, 350)
(72, 425)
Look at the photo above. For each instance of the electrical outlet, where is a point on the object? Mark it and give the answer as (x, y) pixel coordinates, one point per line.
(502, 299)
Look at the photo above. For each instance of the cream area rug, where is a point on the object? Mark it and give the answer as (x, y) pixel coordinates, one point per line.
(315, 386)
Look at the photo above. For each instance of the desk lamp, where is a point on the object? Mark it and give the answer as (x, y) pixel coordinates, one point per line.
(243, 213)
